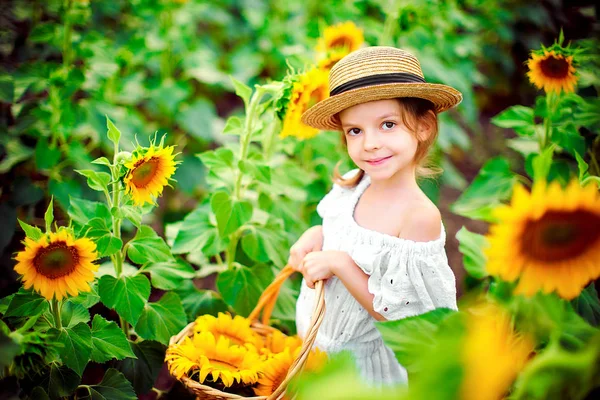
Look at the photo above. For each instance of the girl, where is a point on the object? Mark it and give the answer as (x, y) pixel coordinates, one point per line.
(381, 246)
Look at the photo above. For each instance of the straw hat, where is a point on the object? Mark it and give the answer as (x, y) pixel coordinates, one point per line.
(376, 73)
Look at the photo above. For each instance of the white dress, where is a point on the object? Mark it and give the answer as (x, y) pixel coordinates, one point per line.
(407, 278)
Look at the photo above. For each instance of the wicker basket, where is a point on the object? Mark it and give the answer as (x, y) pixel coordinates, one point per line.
(266, 303)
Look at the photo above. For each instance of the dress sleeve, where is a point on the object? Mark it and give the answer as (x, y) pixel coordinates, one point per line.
(408, 280)
(330, 204)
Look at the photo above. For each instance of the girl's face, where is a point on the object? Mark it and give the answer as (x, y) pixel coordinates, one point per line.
(377, 140)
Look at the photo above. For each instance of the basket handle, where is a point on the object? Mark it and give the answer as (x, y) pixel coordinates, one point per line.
(268, 298)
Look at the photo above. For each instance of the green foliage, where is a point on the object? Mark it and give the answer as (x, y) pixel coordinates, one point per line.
(127, 295)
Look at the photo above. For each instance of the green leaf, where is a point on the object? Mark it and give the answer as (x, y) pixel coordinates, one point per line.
(231, 214)
(198, 118)
(38, 393)
(102, 161)
(541, 164)
(242, 286)
(87, 299)
(242, 90)
(569, 138)
(168, 275)
(106, 243)
(26, 303)
(198, 233)
(96, 180)
(77, 342)
(219, 159)
(582, 166)
(108, 341)
(9, 348)
(14, 152)
(260, 172)
(127, 295)
(32, 232)
(587, 305)
(72, 313)
(233, 126)
(519, 118)
(46, 155)
(143, 371)
(60, 381)
(490, 187)
(114, 386)
(148, 247)
(266, 243)
(409, 337)
(114, 134)
(471, 245)
(82, 211)
(132, 213)
(7, 88)
(49, 215)
(198, 302)
(162, 319)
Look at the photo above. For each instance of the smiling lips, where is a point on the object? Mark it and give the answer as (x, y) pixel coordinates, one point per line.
(378, 161)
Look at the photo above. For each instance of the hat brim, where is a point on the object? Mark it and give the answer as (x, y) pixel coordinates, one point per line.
(322, 115)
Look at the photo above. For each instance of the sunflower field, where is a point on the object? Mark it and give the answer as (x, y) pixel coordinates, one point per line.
(154, 173)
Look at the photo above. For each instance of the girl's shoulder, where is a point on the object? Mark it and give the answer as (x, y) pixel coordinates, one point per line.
(423, 223)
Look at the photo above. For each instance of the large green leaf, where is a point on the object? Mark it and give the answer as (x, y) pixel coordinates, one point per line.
(96, 180)
(242, 286)
(32, 232)
(72, 313)
(471, 245)
(108, 341)
(82, 211)
(519, 118)
(60, 381)
(26, 303)
(148, 247)
(242, 90)
(197, 233)
(46, 155)
(198, 302)
(409, 337)
(587, 305)
(490, 187)
(77, 342)
(106, 243)
(87, 299)
(169, 275)
(127, 295)
(200, 110)
(143, 371)
(114, 386)
(258, 171)
(162, 319)
(231, 214)
(267, 244)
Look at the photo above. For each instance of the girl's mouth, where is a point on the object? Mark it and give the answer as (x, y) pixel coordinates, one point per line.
(379, 161)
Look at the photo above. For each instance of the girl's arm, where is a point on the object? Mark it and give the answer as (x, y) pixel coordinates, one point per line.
(356, 281)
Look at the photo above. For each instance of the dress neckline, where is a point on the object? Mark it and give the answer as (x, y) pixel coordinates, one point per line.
(384, 237)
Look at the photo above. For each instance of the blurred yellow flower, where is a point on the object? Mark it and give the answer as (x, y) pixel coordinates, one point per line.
(57, 264)
(310, 88)
(236, 329)
(331, 59)
(203, 355)
(493, 354)
(552, 71)
(547, 239)
(345, 36)
(149, 172)
(277, 342)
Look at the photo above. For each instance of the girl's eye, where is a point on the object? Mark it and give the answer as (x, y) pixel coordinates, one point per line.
(353, 131)
(388, 125)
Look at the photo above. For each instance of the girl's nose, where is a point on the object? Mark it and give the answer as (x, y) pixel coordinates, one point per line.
(371, 140)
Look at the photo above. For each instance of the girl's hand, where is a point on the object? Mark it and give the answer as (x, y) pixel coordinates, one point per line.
(322, 265)
(311, 240)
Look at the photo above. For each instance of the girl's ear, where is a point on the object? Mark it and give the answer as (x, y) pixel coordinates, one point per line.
(426, 126)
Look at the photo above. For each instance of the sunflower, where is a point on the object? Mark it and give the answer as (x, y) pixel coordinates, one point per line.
(149, 172)
(274, 370)
(277, 342)
(57, 264)
(493, 354)
(552, 71)
(345, 36)
(236, 329)
(548, 239)
(310, 88)
(204, 355)
(331, 59)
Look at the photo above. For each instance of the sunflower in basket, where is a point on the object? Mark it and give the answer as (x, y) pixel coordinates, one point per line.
(236, 329)
(206, 358)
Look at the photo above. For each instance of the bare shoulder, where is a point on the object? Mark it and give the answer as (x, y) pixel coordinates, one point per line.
(424, 224)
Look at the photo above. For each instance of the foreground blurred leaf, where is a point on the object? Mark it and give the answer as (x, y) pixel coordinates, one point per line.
(127, 295)
(587, 305)
(108, 341)
(143, 371)
(162, 319)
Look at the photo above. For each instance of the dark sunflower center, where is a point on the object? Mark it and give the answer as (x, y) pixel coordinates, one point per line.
(560, 236)
(342, 41)
(144, 172)
(555, 67)
(56, 260)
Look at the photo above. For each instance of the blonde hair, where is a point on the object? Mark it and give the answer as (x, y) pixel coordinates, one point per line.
(416, 111)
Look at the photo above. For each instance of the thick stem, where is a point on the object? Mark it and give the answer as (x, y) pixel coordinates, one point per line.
(55, 306)
(268, 145)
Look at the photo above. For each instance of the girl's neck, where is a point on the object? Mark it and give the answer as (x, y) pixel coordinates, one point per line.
(403, 181)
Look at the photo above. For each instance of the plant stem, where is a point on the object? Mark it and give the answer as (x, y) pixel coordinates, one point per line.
(55, 306)
(230, 252)
(67, 36)
(268, 146)
(550, 103)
